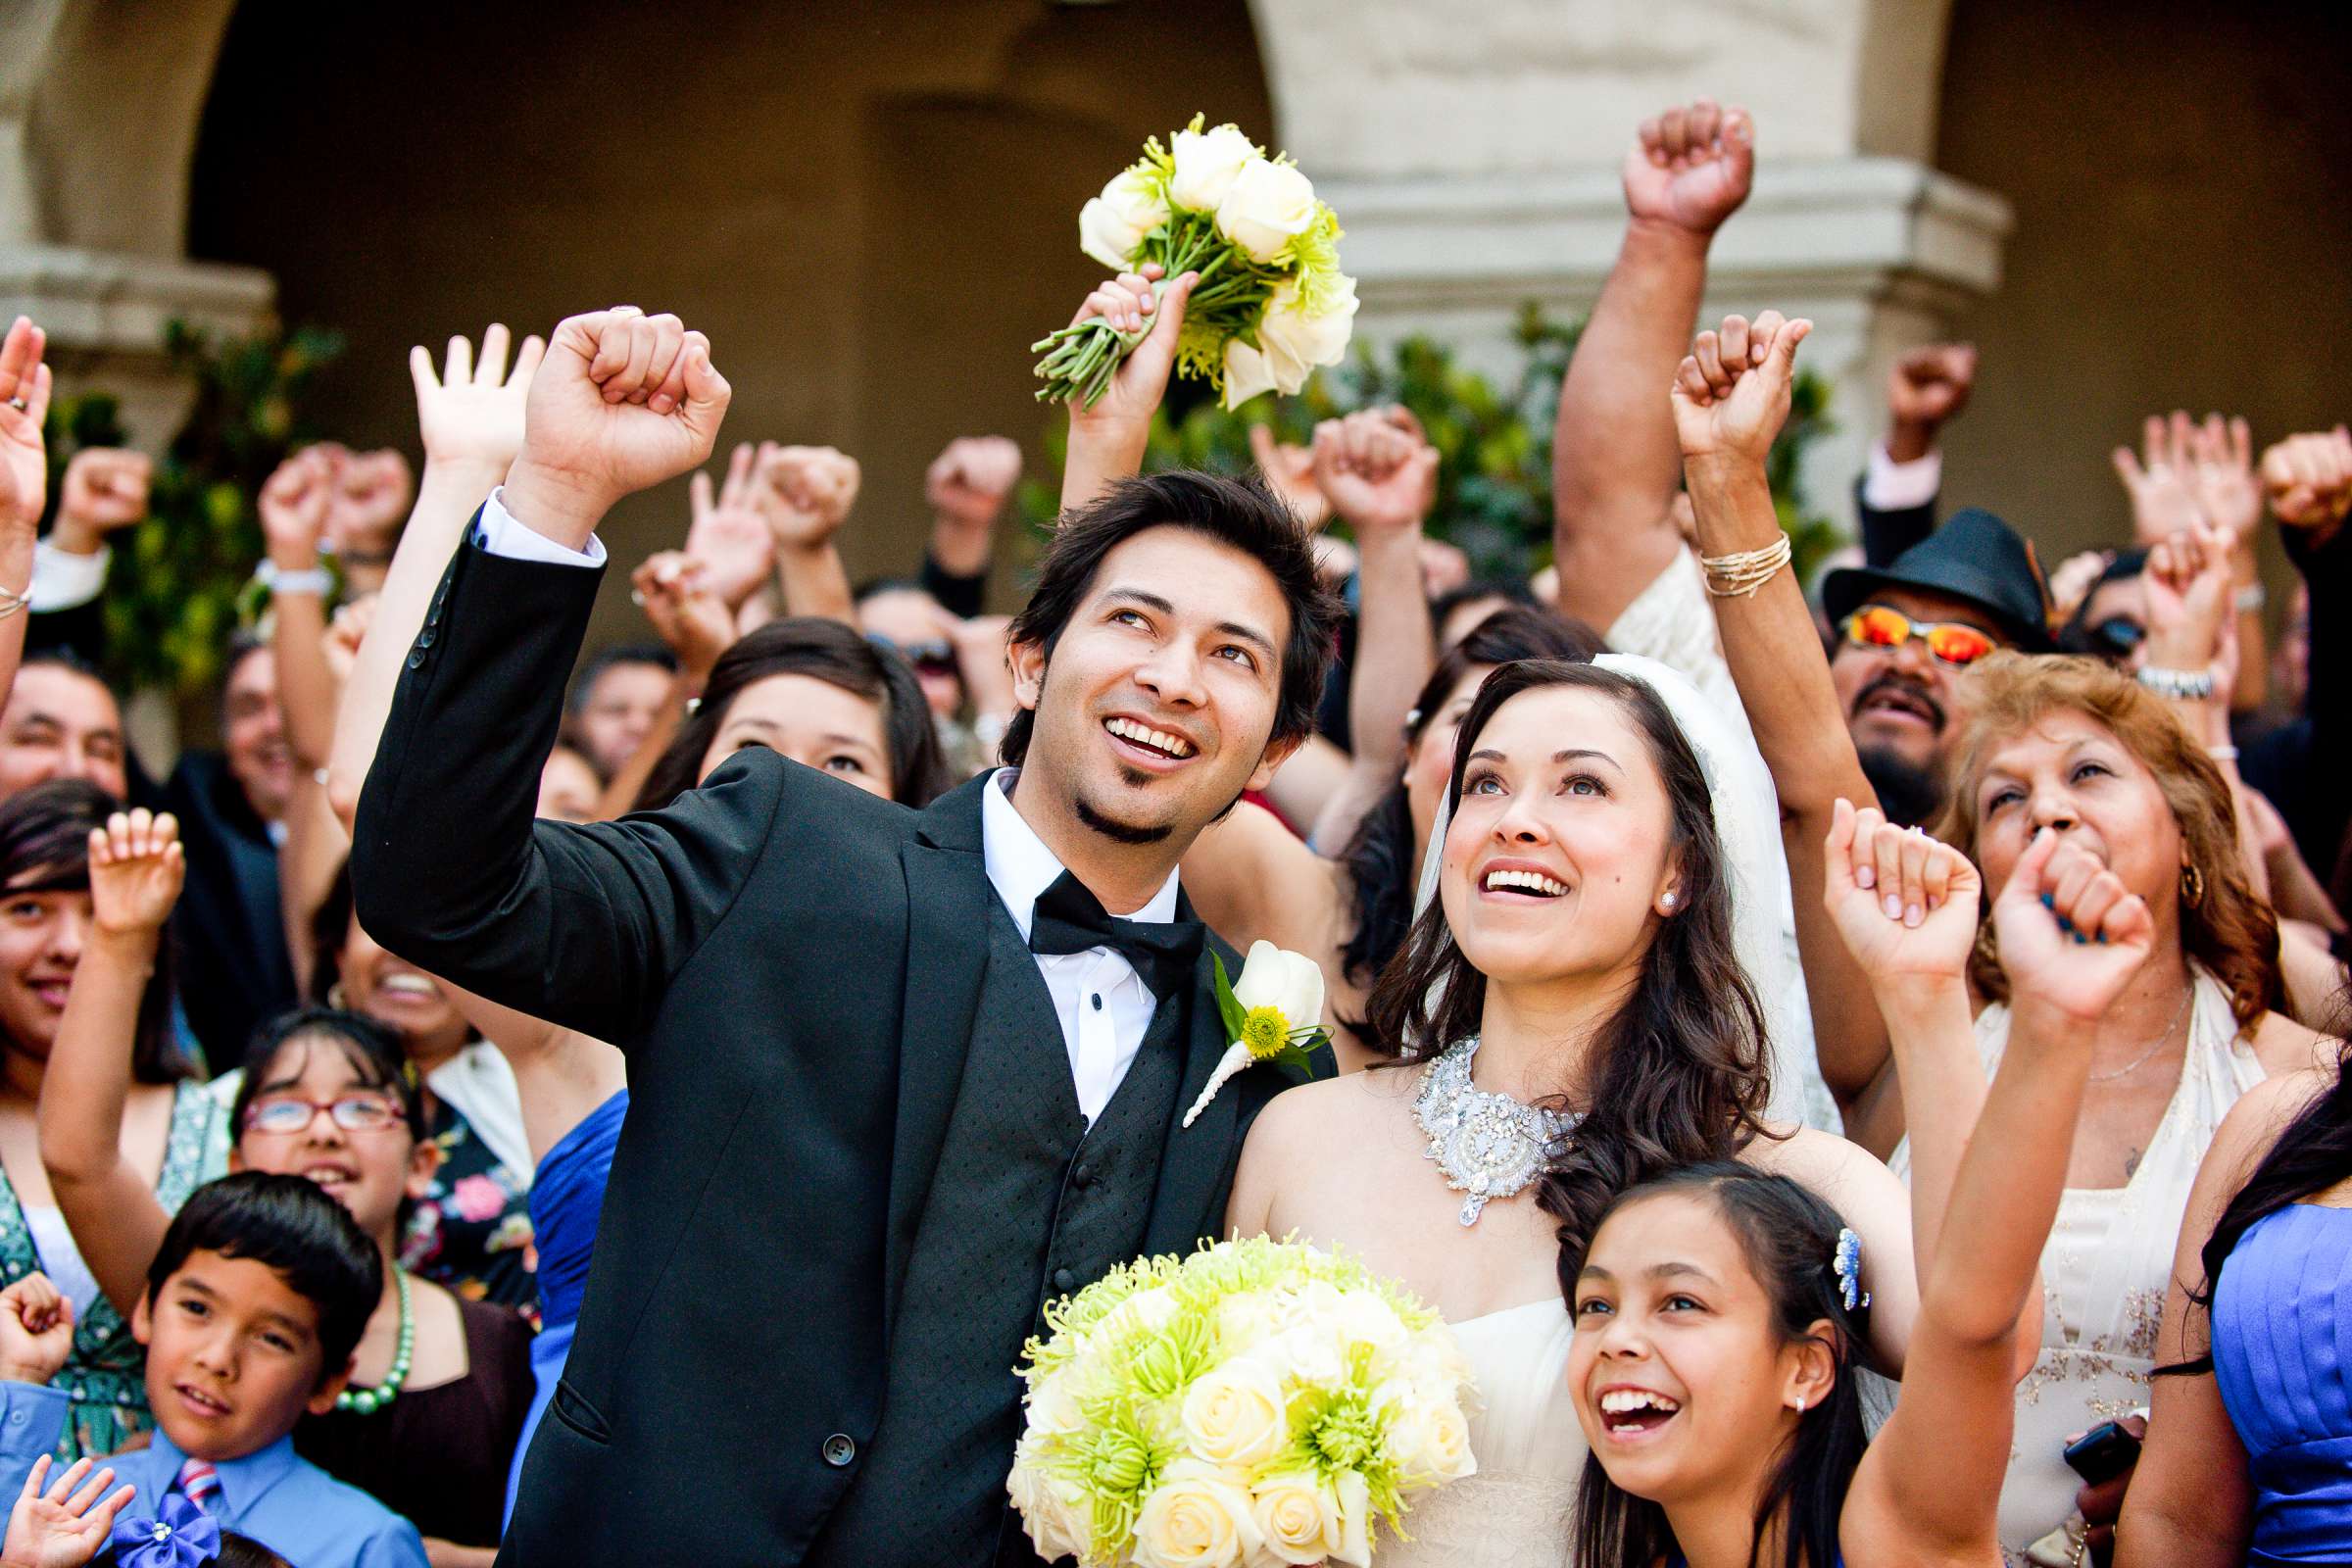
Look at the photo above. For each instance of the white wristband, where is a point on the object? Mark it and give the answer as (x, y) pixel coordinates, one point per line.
(315, 580)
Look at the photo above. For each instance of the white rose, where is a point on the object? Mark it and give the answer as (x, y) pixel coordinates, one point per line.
(1195, 1518)
(1112, 224)
(1298, 1514)
(1146, 1309)
(1306, 1353)
(1430, 1440)
(1053, 1403)
(1247, 374)
(1296, 342)
(1361, 1317)
(1268, 206)
(1355, 1520)
(1049, 1510)
(1245, 1320)
(1207, 163)
(1236, 1415)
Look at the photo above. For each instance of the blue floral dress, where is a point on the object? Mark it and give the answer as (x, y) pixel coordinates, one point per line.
(106, 1375)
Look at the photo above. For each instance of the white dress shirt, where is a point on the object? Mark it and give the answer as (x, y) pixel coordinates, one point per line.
(1891, 486)
(1103, 1005)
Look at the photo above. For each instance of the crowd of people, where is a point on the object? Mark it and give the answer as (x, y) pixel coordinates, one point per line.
(615, 1109)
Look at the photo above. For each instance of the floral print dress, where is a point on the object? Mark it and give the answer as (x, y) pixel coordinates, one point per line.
(106, 1376)
(472, 1231)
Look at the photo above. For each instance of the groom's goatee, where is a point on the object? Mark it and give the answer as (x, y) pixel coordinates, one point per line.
(1120, 832)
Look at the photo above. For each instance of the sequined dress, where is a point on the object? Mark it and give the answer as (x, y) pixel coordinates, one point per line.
(2104, 1269)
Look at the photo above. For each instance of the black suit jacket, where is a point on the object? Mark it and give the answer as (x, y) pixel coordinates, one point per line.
(792, 965)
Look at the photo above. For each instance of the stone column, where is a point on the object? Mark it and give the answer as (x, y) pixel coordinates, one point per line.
(1472, 152)
(99, 105)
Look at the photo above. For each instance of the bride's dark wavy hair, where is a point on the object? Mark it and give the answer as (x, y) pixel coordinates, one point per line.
(1680, 1072)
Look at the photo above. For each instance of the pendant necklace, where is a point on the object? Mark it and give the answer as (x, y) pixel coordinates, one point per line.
(1487, 1146)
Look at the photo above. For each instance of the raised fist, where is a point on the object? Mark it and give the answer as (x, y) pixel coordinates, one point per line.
(1691, 167)
(24, 405)
(2190, 593)
(805, 493)
(471, 412)
(36, 1330)
(1904, 904)
(136, 870)
(1730, 393)
(2071, 934)
(2308, 478)
(674, 591)
(293, 505)
(368, 502)
(622, 402)
(1378, 473)
(1927, 388)
(1137, 303)
(729, 534)
(968, 483)
(105, 489)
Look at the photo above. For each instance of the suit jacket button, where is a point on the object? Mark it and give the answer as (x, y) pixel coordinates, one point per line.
(839, 1449)
(1065, 1280)
(416, 658)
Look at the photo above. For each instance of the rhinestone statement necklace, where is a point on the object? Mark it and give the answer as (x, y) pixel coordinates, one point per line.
(1488, 1145)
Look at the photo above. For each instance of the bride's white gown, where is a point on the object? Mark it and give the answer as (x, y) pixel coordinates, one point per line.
(1516, 1512)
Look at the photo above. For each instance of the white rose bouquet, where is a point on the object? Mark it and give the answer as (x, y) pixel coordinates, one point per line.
(1257, 1403)
(1272, 303)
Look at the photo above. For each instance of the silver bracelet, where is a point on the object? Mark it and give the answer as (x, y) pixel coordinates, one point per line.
(2180, 685)
(10, 601)
(2221, 753)
(279, 582)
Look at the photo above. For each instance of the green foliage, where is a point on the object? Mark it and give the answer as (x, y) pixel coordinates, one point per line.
(171, 598)
(1495, 476)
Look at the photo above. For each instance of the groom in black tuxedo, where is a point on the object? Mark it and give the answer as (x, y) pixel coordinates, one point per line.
(897, 1077)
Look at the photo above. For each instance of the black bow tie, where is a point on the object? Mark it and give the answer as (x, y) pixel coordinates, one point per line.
(1070, 919)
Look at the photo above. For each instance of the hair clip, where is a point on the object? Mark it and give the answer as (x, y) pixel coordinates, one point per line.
(183, 1537)
(1846, 1263)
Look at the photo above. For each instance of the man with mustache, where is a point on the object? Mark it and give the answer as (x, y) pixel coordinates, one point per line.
(1906, 632)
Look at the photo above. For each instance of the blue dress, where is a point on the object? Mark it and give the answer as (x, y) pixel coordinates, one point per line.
(568, 1196)
(2281, 1339)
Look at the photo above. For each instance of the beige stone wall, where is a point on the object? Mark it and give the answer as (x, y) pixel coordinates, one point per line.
(2181, 179)
(871, 209)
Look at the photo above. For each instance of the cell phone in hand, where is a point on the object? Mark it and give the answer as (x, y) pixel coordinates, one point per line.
(2102, 1454)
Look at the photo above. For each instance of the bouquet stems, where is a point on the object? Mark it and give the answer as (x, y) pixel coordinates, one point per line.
(1079, 361)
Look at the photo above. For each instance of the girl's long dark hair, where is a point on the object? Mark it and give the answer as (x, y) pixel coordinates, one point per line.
(1789, 1240)
(827, 651)
(2312, 1154)
(1378, 857)
(1680, 1073)
(45, 847)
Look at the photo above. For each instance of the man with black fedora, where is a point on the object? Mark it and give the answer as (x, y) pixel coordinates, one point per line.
(1906, 631)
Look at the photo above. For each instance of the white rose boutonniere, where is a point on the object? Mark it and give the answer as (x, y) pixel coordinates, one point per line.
(1273, 1014)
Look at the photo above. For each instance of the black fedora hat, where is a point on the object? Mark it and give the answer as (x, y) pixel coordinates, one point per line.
(1975, 555)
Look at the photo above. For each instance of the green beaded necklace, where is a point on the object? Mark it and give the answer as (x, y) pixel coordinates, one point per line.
(366, 1401)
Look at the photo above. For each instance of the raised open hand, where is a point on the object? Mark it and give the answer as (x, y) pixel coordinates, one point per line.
(1926, 389)
(1691, 167)
(805, 493)
(64, 1524)
(621, 402)
(472, 411)
(24, 405)
(2308, 478)
(1140, 306)
(105, 488)
(1905, 904)
(729, 534)
(36, 1330)
(293, 505)
(1378, 475)
(1730, 393)
(969, 483)
(2071, 934)
(137, 869)
(2221, 476)
(674, 591)
(2161, 479)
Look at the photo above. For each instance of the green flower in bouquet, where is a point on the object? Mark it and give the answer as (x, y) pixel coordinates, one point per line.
(1271, 305)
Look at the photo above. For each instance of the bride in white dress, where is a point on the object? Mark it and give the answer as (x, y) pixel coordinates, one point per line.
(1581, 1010)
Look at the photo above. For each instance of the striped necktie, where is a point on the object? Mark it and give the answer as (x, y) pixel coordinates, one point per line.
(199, 1483)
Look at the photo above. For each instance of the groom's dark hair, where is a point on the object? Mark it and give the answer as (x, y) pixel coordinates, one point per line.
(1238, 512)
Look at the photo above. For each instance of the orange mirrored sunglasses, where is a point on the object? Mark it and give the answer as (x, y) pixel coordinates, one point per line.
(1877, 627)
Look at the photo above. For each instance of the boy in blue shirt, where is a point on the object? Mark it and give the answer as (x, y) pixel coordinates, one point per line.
(253, 1306)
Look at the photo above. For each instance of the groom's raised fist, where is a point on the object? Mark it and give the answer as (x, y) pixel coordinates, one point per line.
(622, 402)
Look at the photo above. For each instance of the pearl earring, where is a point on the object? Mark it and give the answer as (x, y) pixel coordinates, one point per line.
(1667, 902)
(1800, 1405)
